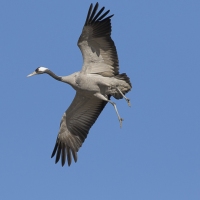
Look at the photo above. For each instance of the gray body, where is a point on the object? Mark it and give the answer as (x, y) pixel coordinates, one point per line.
(95, 84)
(98, 80)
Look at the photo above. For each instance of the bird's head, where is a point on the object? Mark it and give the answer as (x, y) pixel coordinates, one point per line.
(39, 70)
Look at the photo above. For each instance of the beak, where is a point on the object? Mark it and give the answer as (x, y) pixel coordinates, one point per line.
(32, 74)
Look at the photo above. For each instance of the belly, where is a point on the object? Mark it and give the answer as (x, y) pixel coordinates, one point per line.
(87, 83)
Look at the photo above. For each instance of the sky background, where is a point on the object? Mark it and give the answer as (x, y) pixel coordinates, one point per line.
(155, 155)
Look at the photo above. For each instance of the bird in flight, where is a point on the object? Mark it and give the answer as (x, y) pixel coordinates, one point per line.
(98, 80)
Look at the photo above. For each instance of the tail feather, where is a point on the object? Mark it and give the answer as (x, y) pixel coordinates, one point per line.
(126, 87)
(124, 77)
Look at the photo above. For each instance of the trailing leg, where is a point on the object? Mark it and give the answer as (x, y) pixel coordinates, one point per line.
(128, 100)
(100, 96)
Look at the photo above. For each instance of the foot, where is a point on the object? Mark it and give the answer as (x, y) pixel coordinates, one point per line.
(120, 122)
(129, 102)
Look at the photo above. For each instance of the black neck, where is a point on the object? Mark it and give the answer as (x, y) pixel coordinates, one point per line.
(53, 75)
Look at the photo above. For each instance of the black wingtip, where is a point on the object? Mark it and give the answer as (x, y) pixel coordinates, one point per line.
(69, 156)
(89, 12)
(58, 154)
(63, 155)
(54, 150)
(94, 16)
(74, 153)
(94, 10)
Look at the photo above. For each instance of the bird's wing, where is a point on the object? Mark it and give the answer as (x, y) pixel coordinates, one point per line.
(75, 125)
(97, 47)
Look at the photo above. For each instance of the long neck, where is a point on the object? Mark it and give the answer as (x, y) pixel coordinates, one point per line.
(58, 78)
(66, 79)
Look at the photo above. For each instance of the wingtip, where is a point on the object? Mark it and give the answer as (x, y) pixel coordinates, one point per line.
(54, 150)
(89, 13)
(74, 154)
(58, 154)
(93, 15)
(62, 164)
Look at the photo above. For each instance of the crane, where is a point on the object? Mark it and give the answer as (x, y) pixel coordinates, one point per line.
(98, 80)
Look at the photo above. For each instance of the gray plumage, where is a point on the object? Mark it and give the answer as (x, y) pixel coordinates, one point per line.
(98, 80)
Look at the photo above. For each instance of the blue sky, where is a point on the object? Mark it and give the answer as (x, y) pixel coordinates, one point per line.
(155, 155)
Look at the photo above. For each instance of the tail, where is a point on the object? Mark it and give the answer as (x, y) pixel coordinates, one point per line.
(125, 87)
(125, 78)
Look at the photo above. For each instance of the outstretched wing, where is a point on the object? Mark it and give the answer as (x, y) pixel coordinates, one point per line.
(97, 47)
(75, 125)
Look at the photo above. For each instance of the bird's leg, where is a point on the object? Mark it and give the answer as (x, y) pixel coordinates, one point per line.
(100, 96)
(115, 107)
(127, 100)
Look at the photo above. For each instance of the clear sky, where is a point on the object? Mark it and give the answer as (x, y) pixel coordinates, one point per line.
(155, 155)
